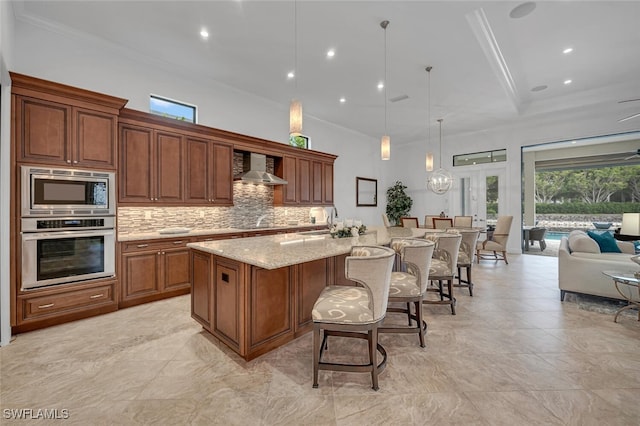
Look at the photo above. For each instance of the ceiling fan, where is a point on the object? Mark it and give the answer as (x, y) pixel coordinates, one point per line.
(631, 116)
(636, 155)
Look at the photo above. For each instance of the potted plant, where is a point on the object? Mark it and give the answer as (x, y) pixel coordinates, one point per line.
(398, 202)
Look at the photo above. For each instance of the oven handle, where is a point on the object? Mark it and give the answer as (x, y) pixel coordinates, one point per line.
(28, 236)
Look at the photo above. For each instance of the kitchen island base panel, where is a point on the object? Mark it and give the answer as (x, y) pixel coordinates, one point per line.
(254, 310)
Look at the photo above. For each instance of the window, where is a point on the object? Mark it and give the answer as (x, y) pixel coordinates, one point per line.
(172, 109)
(480, 158)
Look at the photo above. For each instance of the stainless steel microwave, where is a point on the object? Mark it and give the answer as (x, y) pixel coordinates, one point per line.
(63, 192)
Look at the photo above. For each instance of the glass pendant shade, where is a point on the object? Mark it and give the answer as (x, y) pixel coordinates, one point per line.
(295, 117)
(385, 147)
(440, 181)
(429, 162)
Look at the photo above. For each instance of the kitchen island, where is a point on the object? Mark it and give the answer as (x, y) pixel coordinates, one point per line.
(256, 294)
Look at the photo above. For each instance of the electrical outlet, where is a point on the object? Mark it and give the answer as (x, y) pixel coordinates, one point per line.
(147, 215)
(201, 213)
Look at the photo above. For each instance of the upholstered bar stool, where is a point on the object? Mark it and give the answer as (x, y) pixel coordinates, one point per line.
(465, 257)
(443, 267)
(355, 311)
(410, 287)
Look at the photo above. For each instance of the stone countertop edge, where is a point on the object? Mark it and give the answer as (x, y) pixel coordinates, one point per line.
(205, 231)
(277, 251)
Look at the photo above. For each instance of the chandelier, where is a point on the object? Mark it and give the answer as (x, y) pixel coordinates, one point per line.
(441, 180)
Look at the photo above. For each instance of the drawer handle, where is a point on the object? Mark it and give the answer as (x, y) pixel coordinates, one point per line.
(208, 239)
(142, 245)
(95, 296)
(178, 242)
(48, 305)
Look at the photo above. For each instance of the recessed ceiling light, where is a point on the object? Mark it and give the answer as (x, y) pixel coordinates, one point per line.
(380, 86)
(522, 10)
(539, 88)
(567, 81)
(343, 100)
(290, 74)
(204, 33)
(331, 53)
(567, 50)
(573, 142)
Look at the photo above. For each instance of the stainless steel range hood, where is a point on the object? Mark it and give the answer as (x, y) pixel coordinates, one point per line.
(254, 168)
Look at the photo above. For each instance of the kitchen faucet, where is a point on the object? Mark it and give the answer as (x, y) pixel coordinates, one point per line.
(333, 215)
(260, 220)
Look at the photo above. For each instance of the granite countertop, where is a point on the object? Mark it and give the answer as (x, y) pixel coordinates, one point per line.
(276, 251)
(205, 231)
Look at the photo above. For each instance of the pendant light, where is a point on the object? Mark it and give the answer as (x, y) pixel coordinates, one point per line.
(429, 158)
(385, 143)
(441, 180)
(295, 107)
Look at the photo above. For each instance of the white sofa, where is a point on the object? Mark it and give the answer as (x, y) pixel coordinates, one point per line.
(580, 265)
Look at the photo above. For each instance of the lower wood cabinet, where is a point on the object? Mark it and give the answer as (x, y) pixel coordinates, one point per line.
(54, 305)
(251, 309)
(153, 270)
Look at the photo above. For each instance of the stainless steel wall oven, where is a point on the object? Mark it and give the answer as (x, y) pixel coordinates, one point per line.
(65, 250)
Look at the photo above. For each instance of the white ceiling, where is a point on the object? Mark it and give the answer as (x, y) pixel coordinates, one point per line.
(251, 47)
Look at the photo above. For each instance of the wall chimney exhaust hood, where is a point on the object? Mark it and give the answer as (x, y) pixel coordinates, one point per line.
(254, 170)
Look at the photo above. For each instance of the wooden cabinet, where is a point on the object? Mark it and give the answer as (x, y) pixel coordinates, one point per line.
(151, 165)
(209, 168)
(165, 164)
(201, 299)
(153, 270)
(54, 305)
(310, 182)
(62, 125)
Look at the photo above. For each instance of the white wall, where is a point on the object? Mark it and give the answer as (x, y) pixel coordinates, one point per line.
(6, 50)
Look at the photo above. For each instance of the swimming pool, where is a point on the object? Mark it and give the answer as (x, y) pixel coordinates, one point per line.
(554, 235)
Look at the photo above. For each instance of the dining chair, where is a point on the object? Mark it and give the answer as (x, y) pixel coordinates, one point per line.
(442, 223)
(495, 248)
(355, 311)
(428, 220)
(443, 267)
(463, 221)
(409, 222)
(409, 285)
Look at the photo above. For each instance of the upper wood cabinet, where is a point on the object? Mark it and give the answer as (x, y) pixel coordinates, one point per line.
(309, 182)
(151, 165)
(56, 124)
(209, 168)
(161, 163)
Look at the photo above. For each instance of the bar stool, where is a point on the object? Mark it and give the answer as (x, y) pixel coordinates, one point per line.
(357, 311)
(410, 287)
(443, 267)
(465, 257)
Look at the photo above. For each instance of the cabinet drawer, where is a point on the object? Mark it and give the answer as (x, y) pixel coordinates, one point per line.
(144, 245)
(40, 306)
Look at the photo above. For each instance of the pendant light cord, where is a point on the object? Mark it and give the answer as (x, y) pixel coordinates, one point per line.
(385, 78)
(440, 121)
(295, 47)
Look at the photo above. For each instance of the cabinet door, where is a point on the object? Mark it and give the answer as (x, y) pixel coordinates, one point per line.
(140, 274)
(227, 302)
(175, 268)
(222, 179)
(201, 289)
(312, 279)
(317, 182)
(197, 171)
(169, 155)
(327, 187)
(135, 172)
(304, 181)
(94, 142)
(286, 194)
(43, 131)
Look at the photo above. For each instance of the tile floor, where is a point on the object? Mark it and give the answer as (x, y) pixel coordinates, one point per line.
(514, 355)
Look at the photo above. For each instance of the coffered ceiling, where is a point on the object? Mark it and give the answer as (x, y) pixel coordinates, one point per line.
(486, 64)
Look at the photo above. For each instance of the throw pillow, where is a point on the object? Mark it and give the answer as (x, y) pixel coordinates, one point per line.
(606, 242)
(581, 242)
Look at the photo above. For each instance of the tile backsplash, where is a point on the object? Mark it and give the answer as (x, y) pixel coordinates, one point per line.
(250, 203)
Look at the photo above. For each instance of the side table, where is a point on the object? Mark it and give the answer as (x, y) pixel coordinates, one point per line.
(628, 285)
